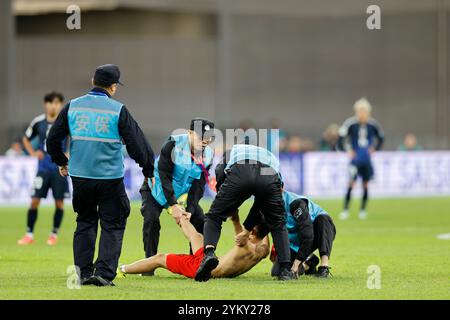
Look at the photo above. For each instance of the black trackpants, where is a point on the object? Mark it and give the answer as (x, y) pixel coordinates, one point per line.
(151, 210)
(241, 182)
(107, 201)
(324, 234)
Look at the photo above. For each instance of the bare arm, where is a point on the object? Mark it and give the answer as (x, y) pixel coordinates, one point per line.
(187, 228)
(27, 145)
(236, 223)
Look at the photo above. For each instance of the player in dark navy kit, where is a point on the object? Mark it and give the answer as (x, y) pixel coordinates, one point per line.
(364, 136)
(48, 176)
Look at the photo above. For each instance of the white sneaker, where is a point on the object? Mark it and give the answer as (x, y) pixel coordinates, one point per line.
(362, 215)
(344, 215)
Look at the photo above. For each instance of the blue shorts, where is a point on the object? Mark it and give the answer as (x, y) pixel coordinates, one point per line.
(361, 169)
(46, 180)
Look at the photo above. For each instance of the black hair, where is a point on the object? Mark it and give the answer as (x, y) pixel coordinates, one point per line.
(50, 97)
(102, 84)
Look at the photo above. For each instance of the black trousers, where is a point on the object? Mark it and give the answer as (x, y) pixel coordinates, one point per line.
(151, 211)
(324, 235)
(107, 201)
(242, 182)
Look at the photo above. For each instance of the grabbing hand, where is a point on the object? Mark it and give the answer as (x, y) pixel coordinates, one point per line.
(184, 218)
(64, 171)
(242, 238)
(177, 211)
(187, 215)
(295, 266)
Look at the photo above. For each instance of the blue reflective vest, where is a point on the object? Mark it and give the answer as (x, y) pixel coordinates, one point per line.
(242, 152)
(291, 223)
(95, 144)
(185, 169)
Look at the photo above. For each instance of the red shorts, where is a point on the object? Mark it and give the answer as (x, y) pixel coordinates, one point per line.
(185, 264)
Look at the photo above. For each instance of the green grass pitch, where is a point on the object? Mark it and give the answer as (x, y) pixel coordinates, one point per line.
(400, 236)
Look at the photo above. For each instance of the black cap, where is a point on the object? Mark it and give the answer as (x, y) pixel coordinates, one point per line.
(205, 125)
(107, 75)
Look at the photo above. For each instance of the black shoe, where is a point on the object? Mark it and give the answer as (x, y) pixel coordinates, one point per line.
(286, 275)
(323, 272)
(86, 281)
(148, 274)
(312, 263)
(101, 282)
(208, 264)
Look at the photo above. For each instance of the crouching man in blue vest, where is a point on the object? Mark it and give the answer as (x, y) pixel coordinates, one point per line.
(310, 228)
(245, 171)
(182, 167)
(97, 126)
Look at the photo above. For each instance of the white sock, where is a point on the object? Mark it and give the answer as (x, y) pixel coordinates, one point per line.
(30, 234)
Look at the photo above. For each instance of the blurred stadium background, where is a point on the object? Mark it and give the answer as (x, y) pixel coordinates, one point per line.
(297, 65)
(301, 62)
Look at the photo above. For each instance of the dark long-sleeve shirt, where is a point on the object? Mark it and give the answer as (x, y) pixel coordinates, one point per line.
(220, 169)
(361, 136)
(300, 211)
(137, 145)
(165, 170)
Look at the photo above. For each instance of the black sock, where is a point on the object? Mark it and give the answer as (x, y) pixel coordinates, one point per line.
(57, 219)
(364, 199)
(31, 220)
(347, 198)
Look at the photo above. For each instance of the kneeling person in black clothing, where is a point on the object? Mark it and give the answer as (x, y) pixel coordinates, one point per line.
(310, 228)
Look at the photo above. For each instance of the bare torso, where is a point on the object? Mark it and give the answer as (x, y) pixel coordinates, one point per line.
(240, 260)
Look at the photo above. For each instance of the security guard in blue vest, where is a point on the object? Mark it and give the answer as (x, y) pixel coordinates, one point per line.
(182, 167)
(309, 227)
(245, 171)
(98, 126)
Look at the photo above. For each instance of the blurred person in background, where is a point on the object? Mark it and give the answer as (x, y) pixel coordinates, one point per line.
(307, 145)
(330, 138)
(410, 143)
(294, 144)
(297, 144)
(361, 131)
(48, 174)
(15, 150)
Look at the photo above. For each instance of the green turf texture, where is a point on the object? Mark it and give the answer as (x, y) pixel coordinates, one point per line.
(399, 236)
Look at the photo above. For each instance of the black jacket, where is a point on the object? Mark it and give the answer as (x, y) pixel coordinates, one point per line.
(165, 170)
(137, 145)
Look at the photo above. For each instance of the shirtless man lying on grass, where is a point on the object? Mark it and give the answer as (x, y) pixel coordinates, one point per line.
(240, 259)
